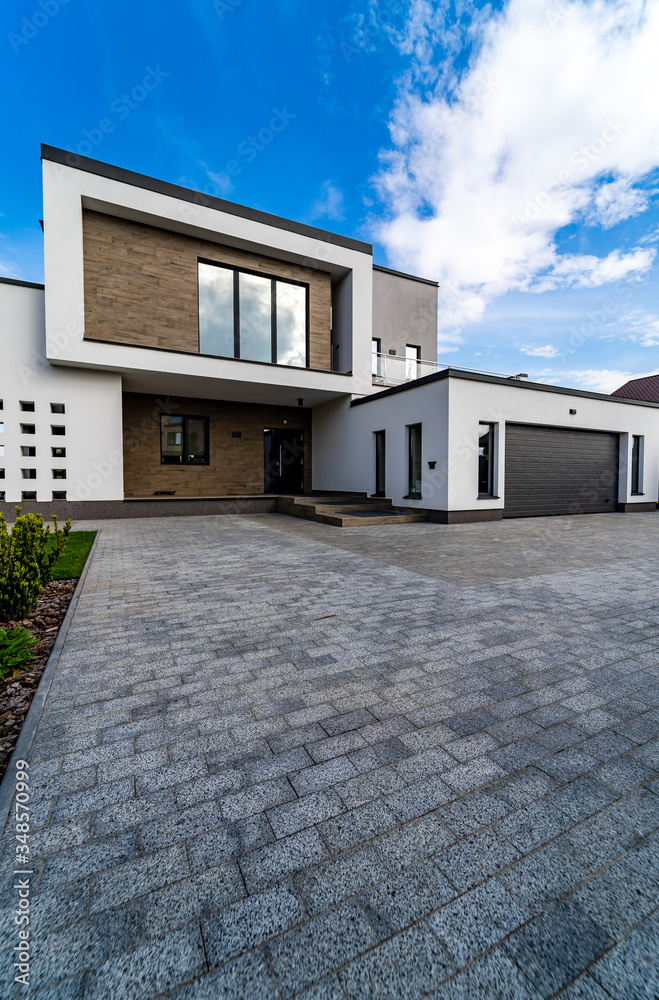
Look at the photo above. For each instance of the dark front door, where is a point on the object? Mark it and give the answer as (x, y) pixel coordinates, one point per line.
(283, 456)
(552, 470)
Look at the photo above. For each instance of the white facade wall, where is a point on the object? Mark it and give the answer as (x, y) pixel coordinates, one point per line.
(450, 410)
(92, 417)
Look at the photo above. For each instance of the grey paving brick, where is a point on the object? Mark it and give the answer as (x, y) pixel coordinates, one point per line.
(311, 952)
(307, 811)
(581, 798)
(624, 774)
(639, 810)
(419, 798)
(404, 968)
(118, 817)
(403, 899)
(278, 764)
(598, 840)
(534, 825)
(493, 976)
(541, 878)
(356, 826)
(328, 989)
(475, 858)
(282, 859)
(631, 970)
(79, 803)
(475, 774)
(290, 738)
(231, 841)
(335, 880)
(618, 898)
(525, 786)
(191, 898)
(178, 826)
(557, 946)
(256, 799)
(585, 988)
(371, 785)
(471, 924)
(312, 779)
(465, 815)
(248, 976)
(515, 756)
(149, 969)
(206, 788)
(246, 924)
(96, 755)
(138, 763)
(380, 754)
(335, 746)
(173, 775)
(137, 877)
(468, 747)
(74, 863)
(645, 857)
(351, 720)
(647, 754)
(413, 842)
(424, 765)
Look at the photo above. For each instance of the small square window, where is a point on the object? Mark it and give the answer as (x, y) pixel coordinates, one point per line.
(2, 473)
(57, 408)
(58, 452)
(29, 495)
(2, 405)
(59, 473)
(2, 449)
(29, 473)
(28, 429)
(2, 495)
(2, 427)
(27, 407)
(28, 451)
(54, 429)
(59, 494)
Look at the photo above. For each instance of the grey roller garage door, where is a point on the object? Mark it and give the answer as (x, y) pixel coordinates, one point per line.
(550, 470)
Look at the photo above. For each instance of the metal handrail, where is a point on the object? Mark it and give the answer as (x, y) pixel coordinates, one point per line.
(395, 369)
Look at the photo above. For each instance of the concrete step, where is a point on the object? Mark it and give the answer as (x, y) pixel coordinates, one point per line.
(344, 511)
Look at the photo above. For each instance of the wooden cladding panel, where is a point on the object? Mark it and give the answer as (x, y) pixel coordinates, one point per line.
(236, 464)
(141, 286)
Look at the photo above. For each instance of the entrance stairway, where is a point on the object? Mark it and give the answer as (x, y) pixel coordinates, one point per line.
(348, 510)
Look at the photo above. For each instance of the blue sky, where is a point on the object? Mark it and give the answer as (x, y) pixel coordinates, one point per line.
(509, 150)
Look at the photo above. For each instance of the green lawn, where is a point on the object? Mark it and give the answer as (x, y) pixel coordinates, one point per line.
(75, 554)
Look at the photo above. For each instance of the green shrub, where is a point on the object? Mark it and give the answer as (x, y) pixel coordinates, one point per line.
(16, 645)
(26, 562)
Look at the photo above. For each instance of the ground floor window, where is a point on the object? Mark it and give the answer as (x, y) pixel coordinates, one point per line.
(414, 460)
(637, 463)
(486, 460)
(183, 440)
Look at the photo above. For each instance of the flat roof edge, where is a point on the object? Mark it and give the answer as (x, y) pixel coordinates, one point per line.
(101, 169)
(402, 274)
(19, 281)
(499, 380)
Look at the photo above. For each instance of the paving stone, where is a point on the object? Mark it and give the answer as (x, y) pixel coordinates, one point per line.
(356, 826)
(468, 926)
(404, 899)
(249, 923)
(278, 764)
(541, 878)
(557, 946)
(475, 774)
(335, 880)
(380, 754)
(639, 810)
(189, 793)
(525, 786)
(618, 898)
(645, 857)
(585, 988)
(307, 811)
(79, 861)
(191, 898)
(624, 774)
(149, 969)
(137, 877)
(493, 976)
(581, 798)
(180, 825)
(256, 799)
(210, 849)
(312, 779)
(534, 825)
(404, 968)
(335, 746)
(325, 943)
(419, 798)
(475, 858)
(366, 787)
(631, 970)
(249, 977)
(468, 814)
(278, 861)
(598, 840)
(351, 720)
(413, 842)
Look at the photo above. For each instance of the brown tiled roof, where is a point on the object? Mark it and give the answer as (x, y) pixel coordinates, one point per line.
(640, 388)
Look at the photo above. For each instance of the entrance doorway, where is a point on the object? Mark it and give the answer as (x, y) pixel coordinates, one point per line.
(283, 460)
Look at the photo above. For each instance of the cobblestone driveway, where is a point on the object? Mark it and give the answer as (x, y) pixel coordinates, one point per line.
(271, 765)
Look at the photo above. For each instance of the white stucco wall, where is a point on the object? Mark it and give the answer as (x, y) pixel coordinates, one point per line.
(92, 418)
(450, 410)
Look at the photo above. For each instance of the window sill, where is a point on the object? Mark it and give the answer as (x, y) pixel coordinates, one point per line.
(413, 496)
(381, 494)
(487, 496)
(637, 494)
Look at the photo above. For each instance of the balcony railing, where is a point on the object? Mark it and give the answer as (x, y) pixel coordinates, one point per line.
(394, 369)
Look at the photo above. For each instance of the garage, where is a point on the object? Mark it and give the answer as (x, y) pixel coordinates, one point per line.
(555, 470)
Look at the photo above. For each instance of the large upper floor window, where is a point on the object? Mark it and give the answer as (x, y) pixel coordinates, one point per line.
(183, 440)
(252, 316)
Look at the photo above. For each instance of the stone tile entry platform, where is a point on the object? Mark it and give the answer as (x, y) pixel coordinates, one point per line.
(280, 761)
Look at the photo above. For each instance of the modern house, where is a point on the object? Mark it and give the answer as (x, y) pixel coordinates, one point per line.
(188, 354)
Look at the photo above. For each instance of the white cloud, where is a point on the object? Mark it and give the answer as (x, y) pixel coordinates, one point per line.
(645, 328)
(600, 380)
(547, 351)
(553, 121)
(329, 204)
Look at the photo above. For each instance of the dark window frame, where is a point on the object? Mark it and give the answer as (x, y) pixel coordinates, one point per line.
(184, 461)
(413, 494)
(636, 465)
(58, 408)
(490, 494)
(380, 463)
(273, 278)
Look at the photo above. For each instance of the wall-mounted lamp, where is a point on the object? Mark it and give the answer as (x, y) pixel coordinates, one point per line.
(431, 465)
(573, 413)
(300, 401)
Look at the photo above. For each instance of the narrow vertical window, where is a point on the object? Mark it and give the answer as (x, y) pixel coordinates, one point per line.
(412, 357)
(376, 359)
(486, 460)
(414, 461)
(380, 475)
(637, 461)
